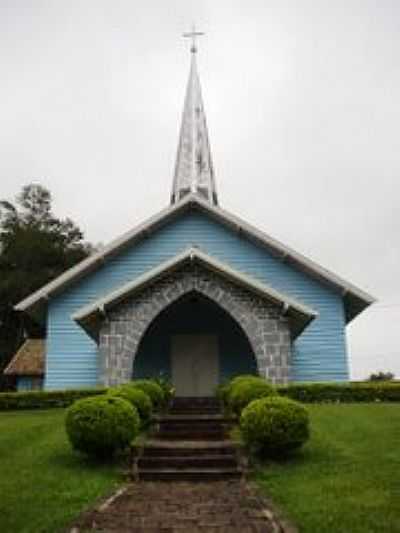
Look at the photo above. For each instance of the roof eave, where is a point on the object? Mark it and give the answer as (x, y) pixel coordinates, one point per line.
(91, 263)
(91, 315)
(24, 374)
(286, 254)
(354, 305)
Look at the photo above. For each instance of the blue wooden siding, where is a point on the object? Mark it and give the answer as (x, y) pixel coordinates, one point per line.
(319, 354)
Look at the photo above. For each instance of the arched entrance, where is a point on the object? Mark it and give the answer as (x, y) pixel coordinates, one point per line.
(196, 344)
(245, 326)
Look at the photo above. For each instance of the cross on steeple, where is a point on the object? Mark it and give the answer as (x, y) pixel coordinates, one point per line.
(193, 35)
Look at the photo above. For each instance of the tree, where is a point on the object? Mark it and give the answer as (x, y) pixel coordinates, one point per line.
(381, 376)
(35, 247)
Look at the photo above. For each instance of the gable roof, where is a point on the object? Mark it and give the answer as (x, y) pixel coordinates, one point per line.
(355, 299)
(298, 314)
(29, 359)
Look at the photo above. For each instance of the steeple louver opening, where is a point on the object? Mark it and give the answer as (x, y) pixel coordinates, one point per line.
(194, 171)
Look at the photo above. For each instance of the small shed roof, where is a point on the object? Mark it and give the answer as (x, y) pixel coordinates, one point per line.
(29, 359)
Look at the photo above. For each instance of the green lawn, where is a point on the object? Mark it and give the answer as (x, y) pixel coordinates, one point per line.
(347, 478)
(43, 484)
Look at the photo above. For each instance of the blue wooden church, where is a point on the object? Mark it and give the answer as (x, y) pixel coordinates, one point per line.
(194, 293)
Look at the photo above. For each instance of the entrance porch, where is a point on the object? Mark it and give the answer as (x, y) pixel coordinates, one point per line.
(196, 344)
(196, 320)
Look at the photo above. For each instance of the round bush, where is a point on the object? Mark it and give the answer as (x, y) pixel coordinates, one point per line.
(101, 425)
(245, 391)
(228, 388)
(274, 425)
(243, 377)
(152, 389)
(136, 397)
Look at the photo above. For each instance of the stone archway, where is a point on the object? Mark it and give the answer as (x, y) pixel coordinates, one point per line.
(266, 329)
(196, 344)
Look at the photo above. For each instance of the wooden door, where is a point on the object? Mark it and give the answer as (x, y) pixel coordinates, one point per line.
(195, 364)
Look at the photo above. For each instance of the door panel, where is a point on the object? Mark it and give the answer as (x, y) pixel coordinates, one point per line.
(195, 364)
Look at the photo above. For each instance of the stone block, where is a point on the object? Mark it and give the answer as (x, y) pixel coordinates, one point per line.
(272, 338)
(118, 328)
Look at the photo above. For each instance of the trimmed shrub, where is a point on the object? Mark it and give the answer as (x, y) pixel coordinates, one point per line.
(224, 391)
(304, 392)
(45, 399)
(152, 389)
(274, 425)
(167, 388)
(101, 426)
(245, 391)
(342, 392)
(136, 397)
(243, 377)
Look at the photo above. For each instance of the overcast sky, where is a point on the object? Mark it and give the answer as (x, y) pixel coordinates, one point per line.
(303, 108)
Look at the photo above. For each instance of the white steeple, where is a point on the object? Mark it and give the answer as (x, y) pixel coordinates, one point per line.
(194, 171)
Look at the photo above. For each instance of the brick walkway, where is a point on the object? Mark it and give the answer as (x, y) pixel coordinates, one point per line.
(182, 507)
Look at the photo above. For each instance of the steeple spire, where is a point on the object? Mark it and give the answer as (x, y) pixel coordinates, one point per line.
(194, 171)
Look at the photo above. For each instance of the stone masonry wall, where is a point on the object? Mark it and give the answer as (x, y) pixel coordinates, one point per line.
(122, 330)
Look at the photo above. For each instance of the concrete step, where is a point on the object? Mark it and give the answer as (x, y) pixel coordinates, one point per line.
(193, 417)
(193, 425)
(188, 448)
(185, 462)
(195, 400)
(191, 434)
(195, 406)
(189, 474)
(194, 412)
(182, 452)
(190, 444)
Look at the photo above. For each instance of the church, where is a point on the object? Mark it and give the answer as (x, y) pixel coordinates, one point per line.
(195, 294)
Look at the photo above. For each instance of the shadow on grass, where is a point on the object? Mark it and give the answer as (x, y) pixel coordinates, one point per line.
(290, 459)
(314, 451)
(73, 460)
